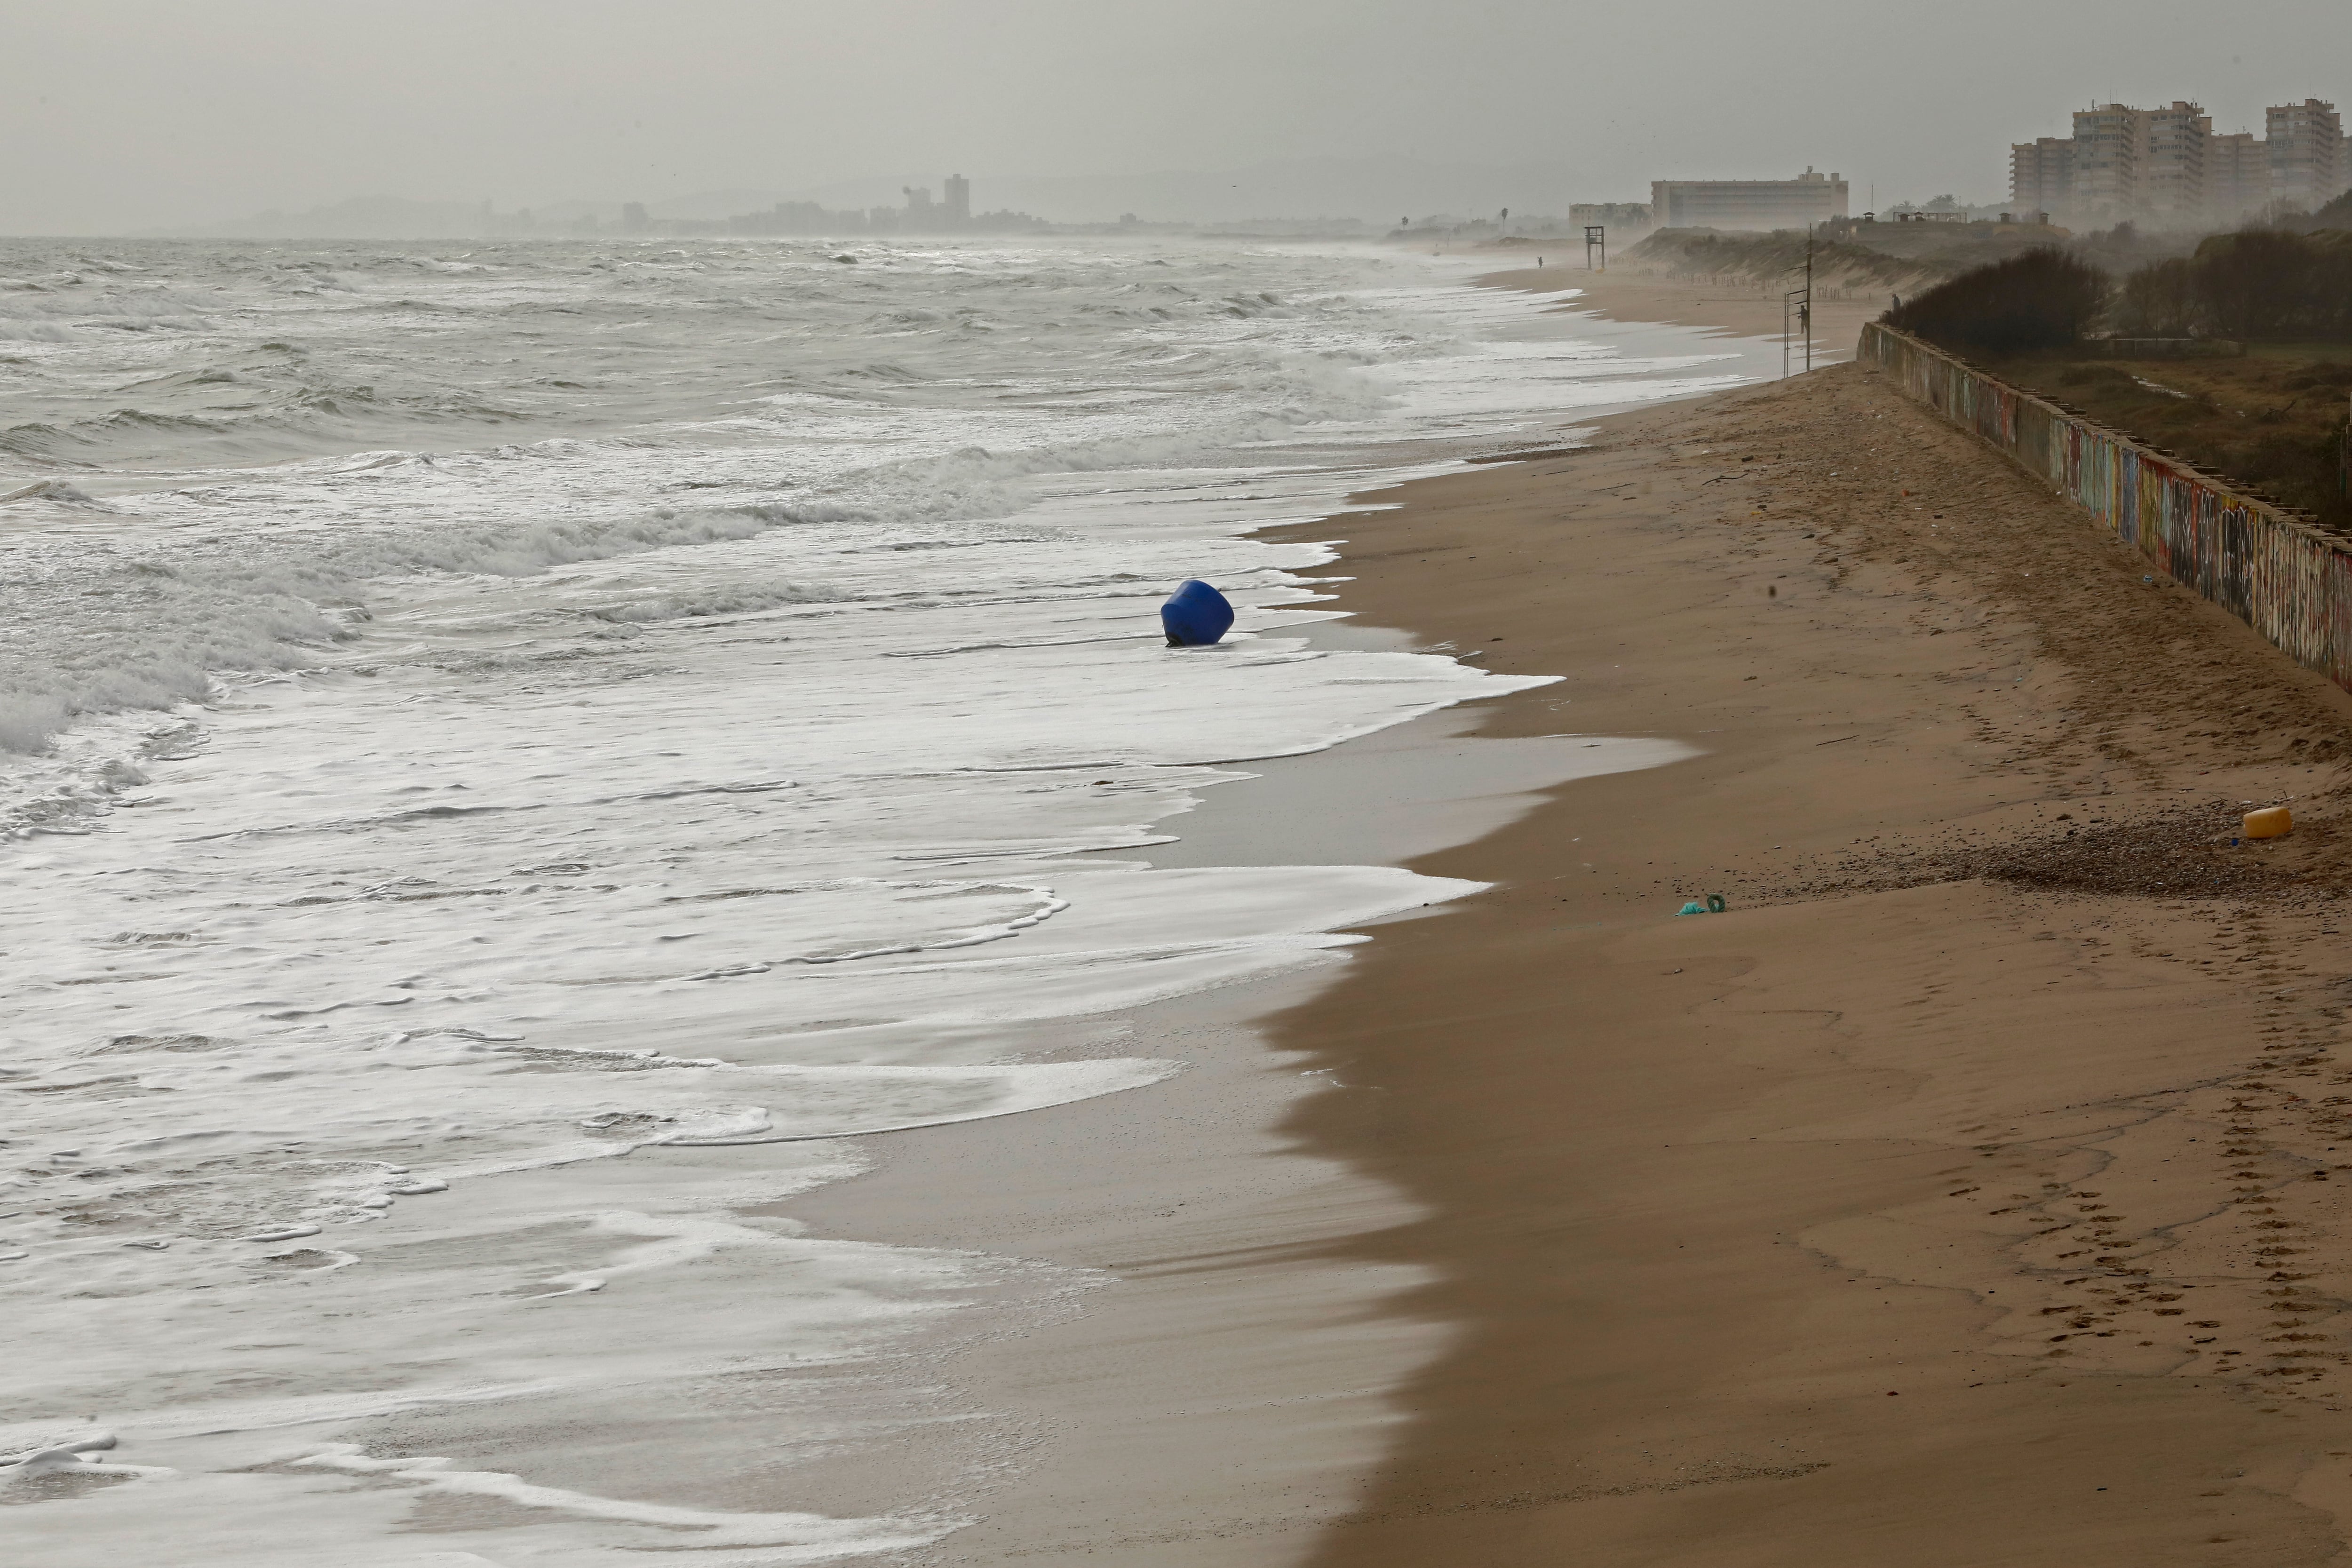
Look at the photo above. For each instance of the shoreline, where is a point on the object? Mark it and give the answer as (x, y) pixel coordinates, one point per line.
(1224, 1402)
(1221, 1398)
(1226, 1398)
(1718, 309)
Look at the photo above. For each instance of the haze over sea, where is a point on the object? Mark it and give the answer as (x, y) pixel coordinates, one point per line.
(515, 753)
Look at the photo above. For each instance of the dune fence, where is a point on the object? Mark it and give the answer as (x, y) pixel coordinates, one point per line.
(2282, 574)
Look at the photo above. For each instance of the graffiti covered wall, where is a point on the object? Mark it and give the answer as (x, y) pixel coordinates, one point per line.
(2288, 579)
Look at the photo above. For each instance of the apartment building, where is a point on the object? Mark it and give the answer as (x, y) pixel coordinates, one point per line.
(2167, 167)
(2237, 176)
(1747, 204)
(2110, 144)
(2041, 175)
(2172, 173)
(2305, 142)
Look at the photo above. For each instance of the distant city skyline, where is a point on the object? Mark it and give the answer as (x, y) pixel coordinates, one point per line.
(151, 115)
(2166, 165)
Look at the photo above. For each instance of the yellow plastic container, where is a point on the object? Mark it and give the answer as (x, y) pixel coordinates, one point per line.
(2271, 822)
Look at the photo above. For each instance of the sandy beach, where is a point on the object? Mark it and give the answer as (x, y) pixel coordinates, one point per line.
(1961, 1195)
(1625, 294)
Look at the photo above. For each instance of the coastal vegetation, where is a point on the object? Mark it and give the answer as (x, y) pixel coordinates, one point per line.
(2272, 420)
(2254, 285)
(2267, 413)
(2040, 299)
(1853, 258)
(1774, 261)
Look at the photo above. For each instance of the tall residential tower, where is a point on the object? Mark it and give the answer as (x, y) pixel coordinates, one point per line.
(2166, 166)
(2306, 142)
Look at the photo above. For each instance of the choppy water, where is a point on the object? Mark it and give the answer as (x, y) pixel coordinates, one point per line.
(490, 728)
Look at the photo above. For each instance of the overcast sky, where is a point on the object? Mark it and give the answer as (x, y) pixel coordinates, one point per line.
(122, 115)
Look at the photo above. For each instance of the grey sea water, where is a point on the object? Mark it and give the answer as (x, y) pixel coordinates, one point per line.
(514, 758)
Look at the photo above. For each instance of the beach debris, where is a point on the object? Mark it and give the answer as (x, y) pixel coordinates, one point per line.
(1715, 905)
(1196, 615)
(2270, 822)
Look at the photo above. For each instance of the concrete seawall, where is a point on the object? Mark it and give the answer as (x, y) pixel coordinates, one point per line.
(2286, 577)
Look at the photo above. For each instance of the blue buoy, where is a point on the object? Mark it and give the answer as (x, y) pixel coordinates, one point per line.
(1195, 615)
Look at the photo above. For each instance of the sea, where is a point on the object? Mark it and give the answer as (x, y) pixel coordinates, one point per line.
(517, 760)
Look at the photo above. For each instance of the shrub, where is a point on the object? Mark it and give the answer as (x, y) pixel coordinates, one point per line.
(2336, 213)
(2037, 298)
(2160, 301)
(2257, 283)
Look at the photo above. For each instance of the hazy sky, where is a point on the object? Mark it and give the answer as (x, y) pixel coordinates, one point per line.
(128, 113)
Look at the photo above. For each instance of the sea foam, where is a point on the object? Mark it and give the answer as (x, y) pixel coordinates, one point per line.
(528, 760)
